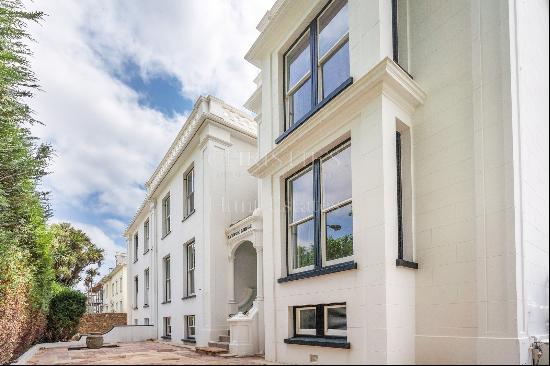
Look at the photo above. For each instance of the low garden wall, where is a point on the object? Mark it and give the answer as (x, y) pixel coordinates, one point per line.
(100, 323)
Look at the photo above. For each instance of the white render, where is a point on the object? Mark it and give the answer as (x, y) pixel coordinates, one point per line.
(477, 110)
(219, 142)
(114, 287)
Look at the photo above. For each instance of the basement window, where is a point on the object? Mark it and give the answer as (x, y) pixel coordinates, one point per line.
(323, 325)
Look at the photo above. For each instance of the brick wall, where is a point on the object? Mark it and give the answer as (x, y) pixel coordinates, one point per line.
(100, 322)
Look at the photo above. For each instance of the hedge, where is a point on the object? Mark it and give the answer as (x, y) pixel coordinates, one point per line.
(67, 306)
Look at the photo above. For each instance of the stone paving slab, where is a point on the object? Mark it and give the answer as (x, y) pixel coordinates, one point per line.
(137, 353)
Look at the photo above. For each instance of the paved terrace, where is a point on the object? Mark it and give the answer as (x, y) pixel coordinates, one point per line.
(136, 353)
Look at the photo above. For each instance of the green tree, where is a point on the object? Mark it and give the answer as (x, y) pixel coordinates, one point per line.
(25, 258)
(91, 274)
(72, 251)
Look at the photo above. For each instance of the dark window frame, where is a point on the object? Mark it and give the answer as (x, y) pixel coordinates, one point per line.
(400, 261)
(318, 268)
(188, 212)
(317, 102)
(319, 321)
(395, 34)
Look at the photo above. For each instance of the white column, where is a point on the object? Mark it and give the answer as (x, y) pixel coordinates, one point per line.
(259, 273)
(231, 288)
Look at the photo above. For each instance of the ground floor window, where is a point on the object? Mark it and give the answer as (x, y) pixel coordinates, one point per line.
(146, 321)
(325, 320)
(135, 322)
(190, 326)
(167, 327)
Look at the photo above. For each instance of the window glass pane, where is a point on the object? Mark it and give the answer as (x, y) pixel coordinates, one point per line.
(300, 102)
(302, 242)
(336, 318)
(339, 233)
(301, 196)
(336, 70)
(298, 61)
(333, 24)
(336, 178)
(307, 319)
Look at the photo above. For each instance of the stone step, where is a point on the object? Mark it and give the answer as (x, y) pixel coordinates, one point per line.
(224, 345)
(212, 351)
(224, 338)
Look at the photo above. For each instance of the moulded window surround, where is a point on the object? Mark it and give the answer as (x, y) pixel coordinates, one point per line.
(166, 215)
(319, 215)
(317, 65)
(189, 193)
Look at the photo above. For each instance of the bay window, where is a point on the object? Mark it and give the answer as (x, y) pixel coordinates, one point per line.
(317, 65)
(319, 213)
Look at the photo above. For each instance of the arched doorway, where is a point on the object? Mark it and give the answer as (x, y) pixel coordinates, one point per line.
(245, 276)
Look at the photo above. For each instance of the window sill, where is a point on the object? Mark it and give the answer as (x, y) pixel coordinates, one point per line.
(315, 109)
(147, 251)
(145, 306)
(189, 297)
(188, 216)
(189, 340)
(166, 302)
(406, 264)
(340, 267)
(319, 342)
(165, 235)
(166, 337)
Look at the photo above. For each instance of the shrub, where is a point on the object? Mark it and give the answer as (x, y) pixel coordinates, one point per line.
(67, 306)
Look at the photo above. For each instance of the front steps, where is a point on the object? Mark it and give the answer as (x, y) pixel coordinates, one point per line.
(217, 348)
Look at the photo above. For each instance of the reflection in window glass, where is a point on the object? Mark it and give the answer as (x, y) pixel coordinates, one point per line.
(335, 321)
(339, 233)
(336, 178)
(298, 61)
(303, 244)
(307, 319)
(300, 102)
(301, 194)
(333, 25)
(336, 70)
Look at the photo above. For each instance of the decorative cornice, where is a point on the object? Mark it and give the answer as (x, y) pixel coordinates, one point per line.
(386, 78)
(205, 108)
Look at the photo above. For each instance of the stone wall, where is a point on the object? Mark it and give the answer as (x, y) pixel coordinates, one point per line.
(101, 323)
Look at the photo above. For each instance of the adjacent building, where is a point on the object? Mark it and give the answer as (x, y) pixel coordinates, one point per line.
(177, 242)
(403, 180)
(113, 291)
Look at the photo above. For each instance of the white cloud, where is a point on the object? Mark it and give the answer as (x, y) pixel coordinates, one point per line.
(106, 144)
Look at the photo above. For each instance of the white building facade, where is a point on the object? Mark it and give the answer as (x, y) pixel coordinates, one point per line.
(403, 180)
(114, 287)
(177, 242)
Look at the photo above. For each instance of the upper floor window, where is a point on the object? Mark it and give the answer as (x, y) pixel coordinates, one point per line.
(136, 290)
(146, 236)
(166, 215)
(317, 65)
(146, 287)
(167, 286)
(400, 30)
(136, 246)
(190, 249)
(319, 211)
(189, 193)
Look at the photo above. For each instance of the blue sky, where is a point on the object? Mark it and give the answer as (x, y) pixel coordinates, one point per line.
(118, 82)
